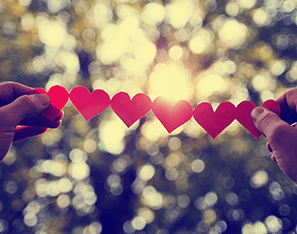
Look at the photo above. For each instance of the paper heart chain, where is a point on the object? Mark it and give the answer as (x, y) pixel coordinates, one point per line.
(171, 116)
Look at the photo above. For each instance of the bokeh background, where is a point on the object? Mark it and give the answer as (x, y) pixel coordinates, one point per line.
(101, 177)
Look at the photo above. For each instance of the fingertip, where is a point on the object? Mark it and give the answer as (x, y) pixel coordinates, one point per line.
(256, 113)
(59, 116)
(269, 147)
(273, 159)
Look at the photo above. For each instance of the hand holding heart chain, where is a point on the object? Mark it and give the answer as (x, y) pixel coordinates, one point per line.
(171, 116)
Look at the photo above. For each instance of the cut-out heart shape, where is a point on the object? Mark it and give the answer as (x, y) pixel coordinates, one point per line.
(172, 116)
(272, 105)
(89, 104)
(214, 122)
(129, 110)
(244, 110)
(59, 97)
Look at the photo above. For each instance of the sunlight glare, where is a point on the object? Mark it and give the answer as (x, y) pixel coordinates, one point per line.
(153, 13)
(179, 12)
(112, 134)
(247, 4)
(209, 84)
(199, 43)
(52, 33)
(171, 81)
(233, 33)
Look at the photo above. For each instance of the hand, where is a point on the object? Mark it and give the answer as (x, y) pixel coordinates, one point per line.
(19, 117)
(281, 136)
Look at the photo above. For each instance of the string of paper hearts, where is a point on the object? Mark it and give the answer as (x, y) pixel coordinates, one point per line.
(171, 116)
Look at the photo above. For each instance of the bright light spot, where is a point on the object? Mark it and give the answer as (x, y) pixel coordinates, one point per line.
(179, 12)
(289, 6)
(138, 223)
(197, 166)
(146, 213)
(266, 95)
(273, 224)
(171, 174)
(102, 13)
(261, 17)
(209, 84)
(233, 33)
(153, 130)
(170, 81)
(52, 33)
(70, 61)
(77, 155)
(40, 187)
(199, 43)
(263, 81)
(65, 185)
(152, 198)
(277, 67)
(246, 3)
(27, 21)
(25, 2)
(153, 13)
(113, 180)
(79, 171)
(248, 229)
(127, 39)
(52, 188)
(211, 198)
(172, 160)
(56, 5)
(175, 52)
(174, 143)
(94, 228)
(63, 201)
(232, 9)
(147, 172)
(260, 228)
(259, 179)
(90, 146)
(112, 135)
(210, 216)
(30, 219)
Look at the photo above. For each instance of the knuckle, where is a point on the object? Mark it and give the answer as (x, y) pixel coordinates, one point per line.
(26, 102)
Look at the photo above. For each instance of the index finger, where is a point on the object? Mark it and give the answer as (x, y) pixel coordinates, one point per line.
(288, 104)
(9, 91)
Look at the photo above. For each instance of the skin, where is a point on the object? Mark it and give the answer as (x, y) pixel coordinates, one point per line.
(280, 134)
(19, 115)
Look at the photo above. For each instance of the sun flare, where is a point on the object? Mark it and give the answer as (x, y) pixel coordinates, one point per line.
(172, 81)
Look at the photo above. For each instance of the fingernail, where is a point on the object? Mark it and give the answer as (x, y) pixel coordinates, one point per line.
(256, 112)
(273, 159)
(45, 99)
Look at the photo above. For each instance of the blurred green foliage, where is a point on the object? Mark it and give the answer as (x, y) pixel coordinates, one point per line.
(99, 176)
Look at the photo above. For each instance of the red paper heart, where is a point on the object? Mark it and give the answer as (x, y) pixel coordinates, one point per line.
(272, 106)
(172, 116)
(59, 97)
(129, 110)
(89, 104)
(214, 122)
(244, 110)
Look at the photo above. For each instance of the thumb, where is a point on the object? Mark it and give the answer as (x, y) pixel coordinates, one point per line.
(268, 122)
(24, 106)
